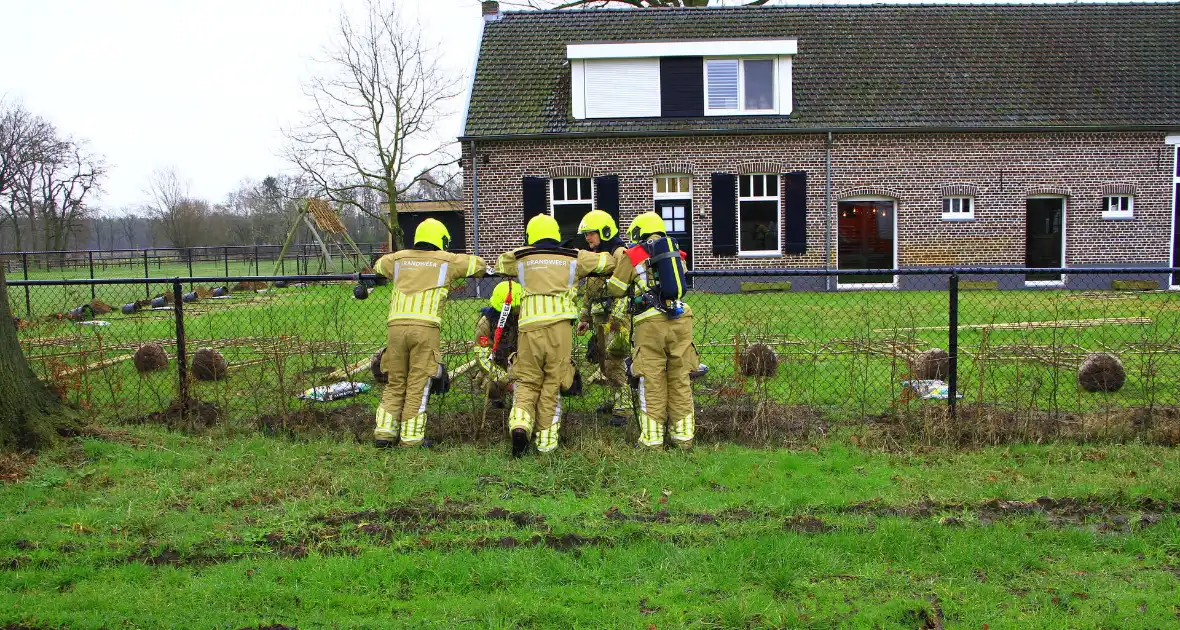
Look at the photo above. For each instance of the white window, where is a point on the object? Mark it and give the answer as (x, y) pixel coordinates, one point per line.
(741, 86)
(570, 198)
(1121, 207)
(758, 215)
(622, 88)
(958, 208)
(673, 187)
(572, 190)
(675, 221)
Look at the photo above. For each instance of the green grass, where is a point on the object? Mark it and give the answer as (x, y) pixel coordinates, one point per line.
(835, 347)
(248, 531)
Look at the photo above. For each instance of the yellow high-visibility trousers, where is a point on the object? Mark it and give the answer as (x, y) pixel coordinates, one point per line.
(663, 353)
(542, 368)
(411, 358)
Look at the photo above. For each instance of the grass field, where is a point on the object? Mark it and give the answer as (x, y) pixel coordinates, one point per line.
(844, 354)
(142, 528)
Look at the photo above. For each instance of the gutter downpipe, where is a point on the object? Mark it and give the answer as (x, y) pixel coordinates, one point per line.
(475, 209)
(827, 212)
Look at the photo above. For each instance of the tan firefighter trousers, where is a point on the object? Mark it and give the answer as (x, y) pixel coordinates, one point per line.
(664, 355)
(543, 367)
(410, 360)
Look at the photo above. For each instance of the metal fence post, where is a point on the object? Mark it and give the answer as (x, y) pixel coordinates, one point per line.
(952, 384)
(90, 256)
(28, 302)
(181, 359)
(147, 288)
(189, 253)
(256, 260)
(225, 254)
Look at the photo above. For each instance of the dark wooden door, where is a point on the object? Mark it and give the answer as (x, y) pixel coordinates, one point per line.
(1044, 225)
(866, 240)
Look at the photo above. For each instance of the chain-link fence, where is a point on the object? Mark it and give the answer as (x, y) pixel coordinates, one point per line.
(168, 262)
(948, 355)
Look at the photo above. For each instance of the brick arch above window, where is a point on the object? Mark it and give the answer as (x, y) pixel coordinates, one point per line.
(960, 190)
(1048, 190)
(760, 166)
(672, 168)
(868, 191)
(1118, 190)
(571, 170)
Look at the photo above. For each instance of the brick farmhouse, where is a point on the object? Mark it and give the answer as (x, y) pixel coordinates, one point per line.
(839, 137)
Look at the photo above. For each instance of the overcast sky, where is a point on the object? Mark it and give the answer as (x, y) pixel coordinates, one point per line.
(203, 86)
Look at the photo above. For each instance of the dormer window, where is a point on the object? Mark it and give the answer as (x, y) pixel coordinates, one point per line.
(681, 78)
(739, 86)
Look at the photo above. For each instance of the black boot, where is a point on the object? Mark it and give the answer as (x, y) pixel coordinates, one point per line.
(520, 442)
(575, 388)
(383, 443)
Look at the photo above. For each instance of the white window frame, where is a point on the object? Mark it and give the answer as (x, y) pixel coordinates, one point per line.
(857, 286)
(777, 198)
(1174, 140)
(741, 88)
(679, 194)
(553, 203)
(959, 215)
(1127, 212)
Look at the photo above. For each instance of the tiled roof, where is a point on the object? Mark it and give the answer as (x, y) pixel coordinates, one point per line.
(866, 66)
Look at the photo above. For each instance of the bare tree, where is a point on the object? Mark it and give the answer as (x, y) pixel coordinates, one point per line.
(374, 110)
(24, 141)
(178, 218)
(30, 415)
(53, 191)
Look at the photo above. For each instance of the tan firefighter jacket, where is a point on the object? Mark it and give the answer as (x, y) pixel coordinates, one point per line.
(421, 281)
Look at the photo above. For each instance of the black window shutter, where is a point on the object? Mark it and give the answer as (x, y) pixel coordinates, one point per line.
(795, 222)
(606, 195)
(682, 86)
(534, 198)
(724, 214)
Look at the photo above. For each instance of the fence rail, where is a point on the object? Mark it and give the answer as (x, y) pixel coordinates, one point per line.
(957, 357)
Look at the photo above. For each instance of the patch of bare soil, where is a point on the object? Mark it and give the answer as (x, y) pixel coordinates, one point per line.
(806, 524)
(191, 417)
(1063, 512)
(744, 420)
(428, 516)
(15, 466)
(979, 424)
(355, 421)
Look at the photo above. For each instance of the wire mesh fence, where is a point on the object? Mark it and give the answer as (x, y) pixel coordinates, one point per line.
(954, 357)
(168, 262)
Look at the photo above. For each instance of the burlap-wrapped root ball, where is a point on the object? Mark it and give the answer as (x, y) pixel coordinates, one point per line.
(759, 360)
(379, 374)
(1102, 372)
(150, 357)
(932, 365)
(209, 365)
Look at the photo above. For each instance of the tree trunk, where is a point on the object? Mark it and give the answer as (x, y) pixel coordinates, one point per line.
(395, 229)
(30, 415)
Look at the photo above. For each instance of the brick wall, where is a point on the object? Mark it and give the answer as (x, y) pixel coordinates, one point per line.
(1003, 169)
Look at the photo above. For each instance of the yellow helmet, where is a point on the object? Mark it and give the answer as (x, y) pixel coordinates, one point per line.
(433, 232)
(501, 292)
(599, 221)
(645, 225)
(541, 227)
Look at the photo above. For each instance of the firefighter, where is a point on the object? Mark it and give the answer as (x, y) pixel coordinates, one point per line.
(607, 317)
(543, 368)
(494, 362)
(421, 278)
(663, 351)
